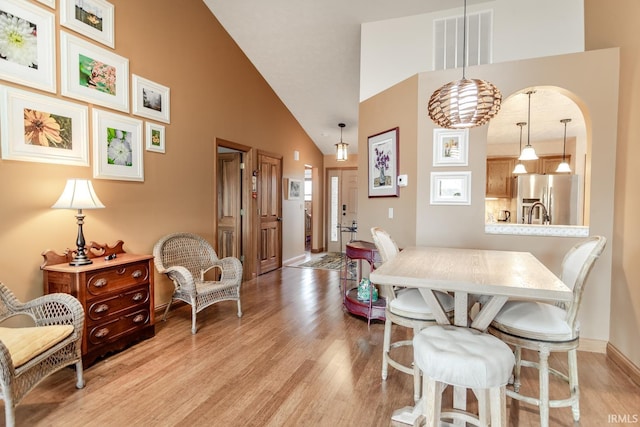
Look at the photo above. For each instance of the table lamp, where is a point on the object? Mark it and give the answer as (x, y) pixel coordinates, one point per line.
(78, 194)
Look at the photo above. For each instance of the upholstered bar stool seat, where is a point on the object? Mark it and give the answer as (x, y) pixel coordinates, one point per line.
(464, 357)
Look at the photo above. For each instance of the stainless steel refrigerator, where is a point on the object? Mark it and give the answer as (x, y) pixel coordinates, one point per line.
(549, 199)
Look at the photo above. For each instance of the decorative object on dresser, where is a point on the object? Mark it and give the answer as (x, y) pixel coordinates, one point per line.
(116, 292)
(30, 354)
(186, 259)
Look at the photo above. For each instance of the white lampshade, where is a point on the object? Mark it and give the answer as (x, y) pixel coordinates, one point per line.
(519, 169)
(563, 167)
(342, 151)
(528, 153)
(78, 194)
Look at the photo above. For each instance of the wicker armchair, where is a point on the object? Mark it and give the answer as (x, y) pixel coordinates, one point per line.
(185, 258)
(48, 312)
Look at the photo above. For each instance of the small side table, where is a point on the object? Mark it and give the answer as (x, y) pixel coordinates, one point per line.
(361, 250)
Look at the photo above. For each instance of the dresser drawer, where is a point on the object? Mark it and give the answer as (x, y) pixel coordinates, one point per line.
(112, 305)
(113, 279)
(111, 330)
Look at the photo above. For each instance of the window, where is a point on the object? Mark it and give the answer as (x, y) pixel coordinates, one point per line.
(447, 40)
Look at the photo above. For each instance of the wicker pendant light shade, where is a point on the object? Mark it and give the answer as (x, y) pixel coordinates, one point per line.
(464, 103)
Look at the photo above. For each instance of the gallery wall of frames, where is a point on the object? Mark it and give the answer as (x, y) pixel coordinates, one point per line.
(41, 122)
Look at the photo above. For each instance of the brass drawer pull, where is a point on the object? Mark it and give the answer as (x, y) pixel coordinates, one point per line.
(121, 270)
(101, 283)
(139, 318)
(136, 274)
(103, 332)
(139, 296)
(102, 308)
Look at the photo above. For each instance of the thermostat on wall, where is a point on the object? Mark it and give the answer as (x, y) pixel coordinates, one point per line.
(402, 180)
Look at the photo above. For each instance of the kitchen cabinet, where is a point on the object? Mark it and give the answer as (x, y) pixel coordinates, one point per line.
(549, 164)
(499, 177)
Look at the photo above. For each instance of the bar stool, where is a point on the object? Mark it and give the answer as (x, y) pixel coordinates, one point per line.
(464, 357)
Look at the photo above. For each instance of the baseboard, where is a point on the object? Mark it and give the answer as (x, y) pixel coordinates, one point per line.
(592, 346)
(317, 251)
(623, 363)
(294, 260)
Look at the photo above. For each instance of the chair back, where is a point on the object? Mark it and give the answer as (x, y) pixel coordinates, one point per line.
(388, 249)
(576, 266)
(188, 250)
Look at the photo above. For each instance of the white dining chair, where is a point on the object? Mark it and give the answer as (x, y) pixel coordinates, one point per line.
(404, 307)
(548, 328)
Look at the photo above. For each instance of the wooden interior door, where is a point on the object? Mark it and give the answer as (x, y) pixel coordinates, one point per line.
(342, 197)
(229, 205)
(270, 213)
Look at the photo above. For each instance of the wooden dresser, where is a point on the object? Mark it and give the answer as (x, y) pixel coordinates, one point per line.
(117, 296)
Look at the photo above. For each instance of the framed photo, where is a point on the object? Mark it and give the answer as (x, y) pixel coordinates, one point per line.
(150, 100)
(93, 74)
(450, 188)
(91, 18)
(383, 164)
(293, 189)
(154, 135)
(117, 147)
(50, 3)
(39, 128)
(27, 45)
(450, 147)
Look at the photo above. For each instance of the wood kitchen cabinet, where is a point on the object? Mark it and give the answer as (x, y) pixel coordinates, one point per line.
(116, 294)
(549, 164)
(499, 177)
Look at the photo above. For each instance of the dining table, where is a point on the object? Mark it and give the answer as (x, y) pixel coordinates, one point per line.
(489, 276)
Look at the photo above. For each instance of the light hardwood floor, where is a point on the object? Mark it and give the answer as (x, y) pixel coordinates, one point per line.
(294, 359)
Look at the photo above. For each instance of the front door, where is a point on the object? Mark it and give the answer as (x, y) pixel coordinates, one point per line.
(342, 189)
(229, 205)
(270, 213)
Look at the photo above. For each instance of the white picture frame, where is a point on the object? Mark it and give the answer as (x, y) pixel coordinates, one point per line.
(294, 189)
(150, 99)
(154, 137)
(451, 188)
(91, 18)
(32, 62)
(81, 61)
(450, 147)
(50, 3)
(68, 145)
(124, 161)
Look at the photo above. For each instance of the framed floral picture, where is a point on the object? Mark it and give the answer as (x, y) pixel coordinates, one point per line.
(93, 74)
(154, 136)
(117, 147)
(450, 188)
(40, 128)
(450, 147)
(27, 45)
(91, 18)
(383, 164)
(150, 100)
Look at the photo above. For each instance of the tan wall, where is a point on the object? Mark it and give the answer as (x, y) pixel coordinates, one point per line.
(463, 226)
(608, 26)
(215, 93)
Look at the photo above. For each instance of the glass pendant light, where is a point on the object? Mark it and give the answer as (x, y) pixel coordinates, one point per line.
(519, 169)
(342, 148)
(564, 166)
(528, 152)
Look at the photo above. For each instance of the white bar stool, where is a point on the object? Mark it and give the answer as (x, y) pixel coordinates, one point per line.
(464, 357)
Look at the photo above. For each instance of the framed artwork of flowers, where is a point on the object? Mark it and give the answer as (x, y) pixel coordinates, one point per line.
(91, 18)
(383, 164)
(27, 45)
(154, 135)
(450, 147)
(117, 147)
(93, 74)
(150, 100)
(39, 128)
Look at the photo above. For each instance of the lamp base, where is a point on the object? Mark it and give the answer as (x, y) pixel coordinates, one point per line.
(76, 261)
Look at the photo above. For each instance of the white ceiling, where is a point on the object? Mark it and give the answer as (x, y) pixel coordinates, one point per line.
(309, 53)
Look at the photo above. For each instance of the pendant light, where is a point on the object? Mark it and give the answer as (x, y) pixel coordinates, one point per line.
(564, 166)
(519, 169)
(342, 148)
(464, 103)
(528, 153)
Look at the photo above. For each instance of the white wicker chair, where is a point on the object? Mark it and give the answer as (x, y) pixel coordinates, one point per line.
(548, 328)
(185, 258)
(48, 310)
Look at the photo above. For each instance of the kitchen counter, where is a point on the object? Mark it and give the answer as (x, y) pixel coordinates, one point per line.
(537, 230)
